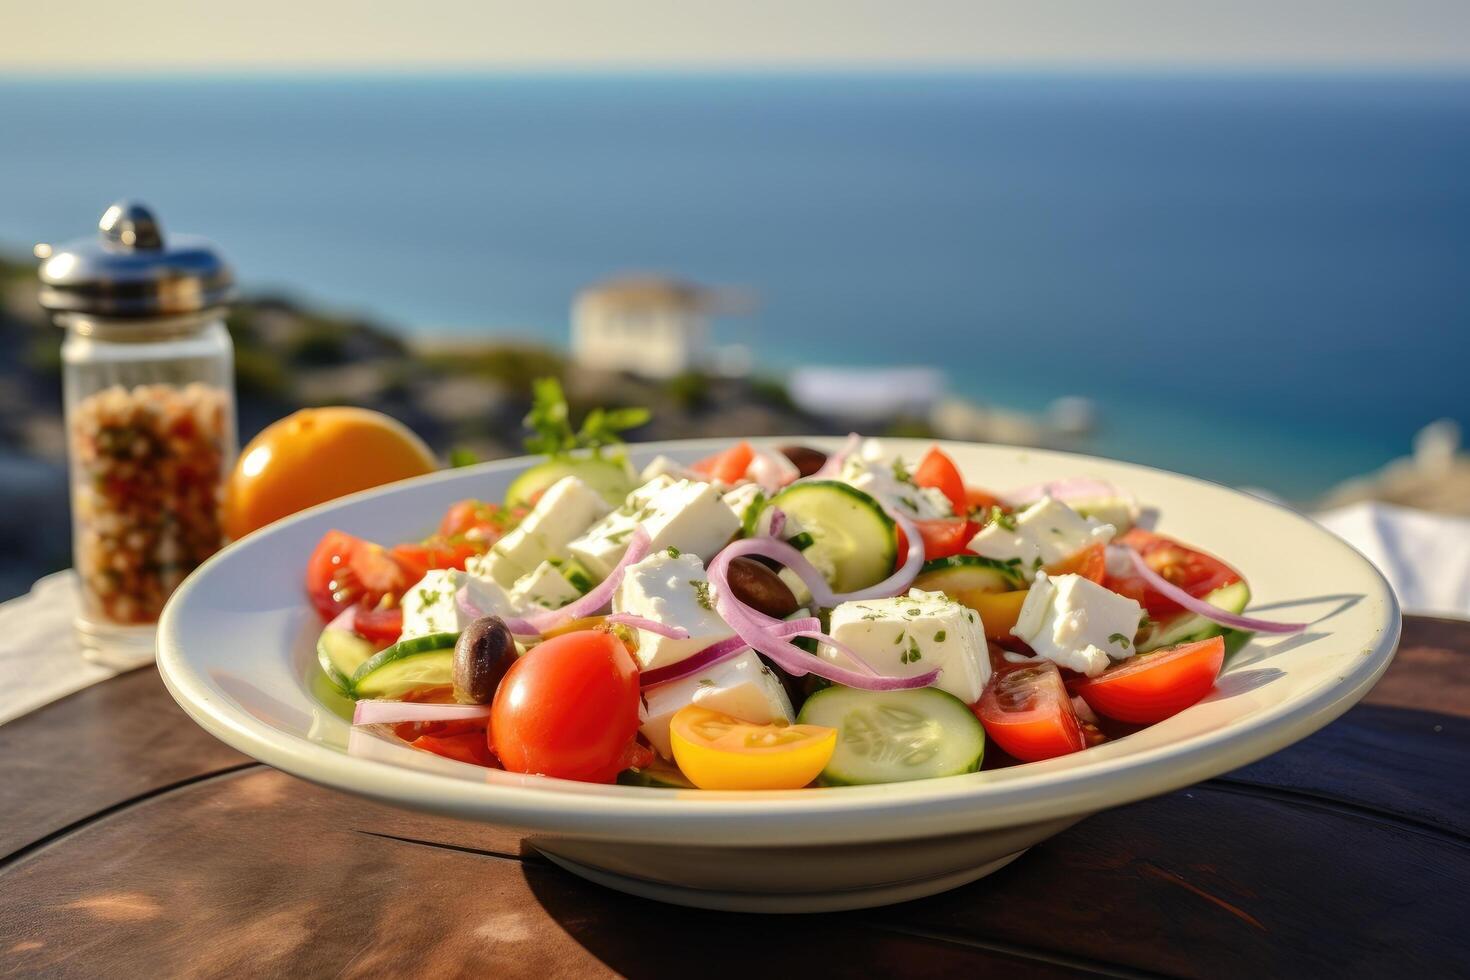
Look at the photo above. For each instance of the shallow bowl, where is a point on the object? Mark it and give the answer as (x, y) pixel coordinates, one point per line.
(236, 641)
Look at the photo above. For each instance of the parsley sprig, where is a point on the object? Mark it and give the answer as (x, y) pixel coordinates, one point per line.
(551, 426)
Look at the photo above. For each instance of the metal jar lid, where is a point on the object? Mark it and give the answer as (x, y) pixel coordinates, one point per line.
(130, 272)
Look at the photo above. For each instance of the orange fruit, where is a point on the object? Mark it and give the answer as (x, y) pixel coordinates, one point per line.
(316, 455)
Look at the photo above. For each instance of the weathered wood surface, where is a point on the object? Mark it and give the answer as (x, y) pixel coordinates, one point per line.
(133, 844)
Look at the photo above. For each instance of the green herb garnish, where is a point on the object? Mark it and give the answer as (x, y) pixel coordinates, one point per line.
(550, 423)
(701, 593)
(1001, 519)
(1121, 640)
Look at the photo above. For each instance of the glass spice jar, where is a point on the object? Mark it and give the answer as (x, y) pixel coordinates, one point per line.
(148, 373)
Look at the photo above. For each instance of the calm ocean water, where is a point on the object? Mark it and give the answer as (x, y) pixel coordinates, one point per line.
(1260, 279)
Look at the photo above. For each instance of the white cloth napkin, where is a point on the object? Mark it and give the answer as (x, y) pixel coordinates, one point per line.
(1425, 557)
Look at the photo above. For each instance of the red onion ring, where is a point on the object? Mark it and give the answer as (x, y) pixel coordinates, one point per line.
(383, 712)
(651, 625)
(713, 654)
(776, 523)
(771, 471)
(1073, 488)
(587, 605)
(833, 466)
(763, 638)
(1213, 613)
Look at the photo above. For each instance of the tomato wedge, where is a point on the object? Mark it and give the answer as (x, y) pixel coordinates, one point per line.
(943, 536)
(1028, 712)
(345, 571)
(717, 751)
(1150, 687)
(379, 626)
(1193, 571)
(1091, 563)
(418, 559)
(728, 466)
(468, 747)
(937, 470)
(476, 520)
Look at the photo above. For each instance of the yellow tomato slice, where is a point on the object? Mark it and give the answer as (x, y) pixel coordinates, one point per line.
(719, 752)
(998, 610)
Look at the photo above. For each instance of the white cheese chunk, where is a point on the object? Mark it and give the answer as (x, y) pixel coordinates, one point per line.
(890, 482)
(565, 510)
(742, 687)
(1047, 531)
(674, 591)
(1077, 623)
(430, 606)
(667, 466)
(909, 635)
(683, 514)
(543, 588)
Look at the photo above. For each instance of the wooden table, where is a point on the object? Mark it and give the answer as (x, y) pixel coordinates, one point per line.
(135, 845)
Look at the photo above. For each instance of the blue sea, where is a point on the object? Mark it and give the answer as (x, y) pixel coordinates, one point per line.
(1262, 279)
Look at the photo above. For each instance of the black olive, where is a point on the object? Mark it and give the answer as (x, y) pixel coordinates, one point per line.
(760, 588)
(806, 459)
(482, 655)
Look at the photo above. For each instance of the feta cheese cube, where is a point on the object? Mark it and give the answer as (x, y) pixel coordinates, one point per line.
(1045, 532)
(890, 482)
(742, 687)
(684, 514)
(666, 466)
(545, 588)
(909, 635)
(675, 591)
(430, 606)
(567, 509)
(1077, 623)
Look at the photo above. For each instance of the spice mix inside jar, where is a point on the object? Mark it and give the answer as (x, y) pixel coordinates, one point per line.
(148, 372)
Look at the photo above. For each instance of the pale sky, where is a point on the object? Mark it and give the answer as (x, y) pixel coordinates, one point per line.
(417, 35)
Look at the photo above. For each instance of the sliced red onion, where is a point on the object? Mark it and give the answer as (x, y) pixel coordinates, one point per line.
(1073, 488)
(381, 712)
(345, 620)
(776, 523)
(771, 470)
(833, 466)
(715, 653)
(1213, 613)
(756, 631)
(651, 625)
(587, 605)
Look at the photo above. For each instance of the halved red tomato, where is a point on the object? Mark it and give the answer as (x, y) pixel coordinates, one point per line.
(979, 501)
(476, 520)
(937, 470)
(728, 466)
(418, 559)
(1091, 563)
(345, 570)
(471, 747)
(1193, 571)
(1028, 712)
(943, 537)
(1150, 687)
(380, 626)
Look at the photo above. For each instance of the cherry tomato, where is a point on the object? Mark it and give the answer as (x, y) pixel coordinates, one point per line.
(717, 751)
(478, 521)
(345, 571)
(380, 626)
(1193, 571)
(1091, 563)
(463, 747)
(436, 552)
(728, 466)
(568, 708)
(1028, 712)
(938, 470)
(943, 537)
(1150, 687)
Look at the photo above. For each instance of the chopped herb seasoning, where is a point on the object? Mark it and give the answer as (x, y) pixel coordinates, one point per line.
(909, 503)
(1001, 519)
(673, 552)
(912, 654)
(1121, 640)
(939, 637)
(901, 472)
(706, 682)
(701, 593)
(912, 612)
(1036, 565)
(898, 639)
(427, 598)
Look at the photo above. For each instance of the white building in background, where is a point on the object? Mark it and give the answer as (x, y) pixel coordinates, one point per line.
(651, 326)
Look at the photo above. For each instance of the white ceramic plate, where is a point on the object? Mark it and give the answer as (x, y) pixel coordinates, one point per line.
(236, 651)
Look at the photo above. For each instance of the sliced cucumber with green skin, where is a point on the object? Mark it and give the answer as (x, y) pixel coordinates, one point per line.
(959, 574)
(659, 775)
(895, 736)
(851, 533)
(575, 574)
(341, 653)
(608, 475)
(1187, 627)
(417, 664)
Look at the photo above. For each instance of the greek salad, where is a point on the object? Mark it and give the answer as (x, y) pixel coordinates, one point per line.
(771, 619)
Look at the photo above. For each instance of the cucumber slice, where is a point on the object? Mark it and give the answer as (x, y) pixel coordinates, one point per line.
(1187, 627)
(850, 532)
(609, 476)
(958, 575)
(409, 665)
(659, 775)
(575, 573)
(894, 736)
(341, 652)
